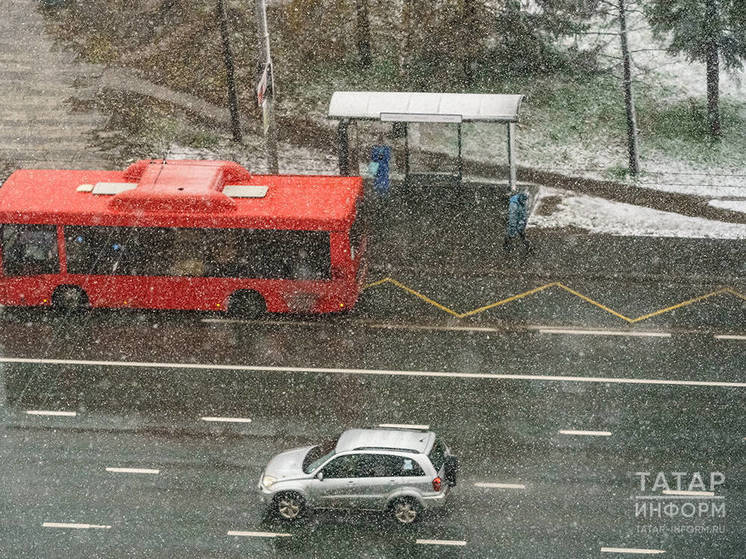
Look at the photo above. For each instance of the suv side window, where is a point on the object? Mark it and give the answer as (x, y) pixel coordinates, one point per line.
(409, 467)
(387, 465)
(344, 467)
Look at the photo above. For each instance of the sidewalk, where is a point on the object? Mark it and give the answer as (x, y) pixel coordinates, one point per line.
(39, 126)
(444, 230)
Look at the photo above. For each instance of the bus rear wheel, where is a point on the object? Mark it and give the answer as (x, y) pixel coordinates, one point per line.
(247, 304)
(69, 298)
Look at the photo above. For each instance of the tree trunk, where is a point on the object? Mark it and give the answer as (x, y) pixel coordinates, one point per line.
(405, 19)
(713, 73)
(230, 73)
(629, 100)
(362, 31)
(468, 19)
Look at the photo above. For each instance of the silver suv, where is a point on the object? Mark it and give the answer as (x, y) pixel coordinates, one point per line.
(399, 470)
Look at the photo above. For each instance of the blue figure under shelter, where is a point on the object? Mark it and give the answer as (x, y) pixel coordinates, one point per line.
(517, 218)
(380, 159)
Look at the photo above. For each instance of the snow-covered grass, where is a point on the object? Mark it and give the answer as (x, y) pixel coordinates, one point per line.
(292, 160)
(577, 126)
(733, 205)
(555, 208)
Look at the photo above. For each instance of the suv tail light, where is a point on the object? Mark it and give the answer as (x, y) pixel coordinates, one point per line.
(437, 484)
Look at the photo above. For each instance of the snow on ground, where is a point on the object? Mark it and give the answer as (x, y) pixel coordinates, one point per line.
(719, 173)
(292, 159)
(704, 187)
(598, 215)
(733, 205)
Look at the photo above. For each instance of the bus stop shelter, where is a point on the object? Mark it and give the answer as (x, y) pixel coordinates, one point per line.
(405, 107)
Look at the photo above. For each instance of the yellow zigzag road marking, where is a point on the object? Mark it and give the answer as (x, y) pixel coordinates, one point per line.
(547, 286)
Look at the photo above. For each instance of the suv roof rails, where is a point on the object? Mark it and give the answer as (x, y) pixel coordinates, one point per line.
(387, 448)
(402, 427)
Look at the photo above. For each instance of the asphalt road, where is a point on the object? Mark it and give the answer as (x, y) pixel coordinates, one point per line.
(139, 385)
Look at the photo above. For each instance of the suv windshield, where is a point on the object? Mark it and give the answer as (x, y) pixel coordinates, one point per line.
(318, 455)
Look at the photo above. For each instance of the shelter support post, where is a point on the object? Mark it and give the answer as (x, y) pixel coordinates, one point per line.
(343, 146)
(511, 156)
(460, 158)
(406, 151)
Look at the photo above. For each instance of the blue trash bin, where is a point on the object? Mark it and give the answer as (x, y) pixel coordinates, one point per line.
(382, 156)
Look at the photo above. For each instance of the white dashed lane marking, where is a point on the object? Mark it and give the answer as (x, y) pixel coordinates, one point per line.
(227, 419)
(633, 333)
(499, 485)
(631, 551)
(258, 534)
(133, 470)
(441, 542)
(76, 526)
(51, 412)
(585, 433)
(729, 337)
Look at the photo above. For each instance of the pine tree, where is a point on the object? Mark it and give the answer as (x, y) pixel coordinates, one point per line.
(708, 31)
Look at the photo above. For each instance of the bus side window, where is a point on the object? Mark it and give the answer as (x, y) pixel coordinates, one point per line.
(30, 250)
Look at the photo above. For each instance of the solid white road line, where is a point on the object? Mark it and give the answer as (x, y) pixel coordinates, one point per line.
(588, 433)
(681, 493)
(403, 426)
(266, 322)
(635, 333)
(258, 534)
(133, 470)
(227, 419)
(632, 550)
(669, 497)
(55, 413)
(729, 337)
(500, 485)
(376, 372)
(441, 542)
(385, 326)
(75, 526)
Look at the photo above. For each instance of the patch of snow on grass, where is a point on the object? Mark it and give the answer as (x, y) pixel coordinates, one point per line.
(598, 215)
(292, 159)
(698, 187)
(733, 205)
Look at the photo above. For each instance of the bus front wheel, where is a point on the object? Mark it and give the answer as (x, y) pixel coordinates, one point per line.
(247, 304)
(69, 298)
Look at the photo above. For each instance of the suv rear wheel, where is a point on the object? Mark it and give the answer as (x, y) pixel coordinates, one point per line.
(405, 510)
(289, 506)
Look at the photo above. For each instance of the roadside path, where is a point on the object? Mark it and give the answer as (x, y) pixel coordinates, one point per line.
(39, 127)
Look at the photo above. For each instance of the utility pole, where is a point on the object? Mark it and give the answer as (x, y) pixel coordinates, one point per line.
(362, 33)
(230, 73)
(266, 87)
(629, 100)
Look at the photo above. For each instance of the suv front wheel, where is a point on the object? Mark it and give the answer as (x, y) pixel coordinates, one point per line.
(289, 506)
(405, 510)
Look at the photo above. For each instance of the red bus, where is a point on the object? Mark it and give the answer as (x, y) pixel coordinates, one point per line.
(200, 235)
